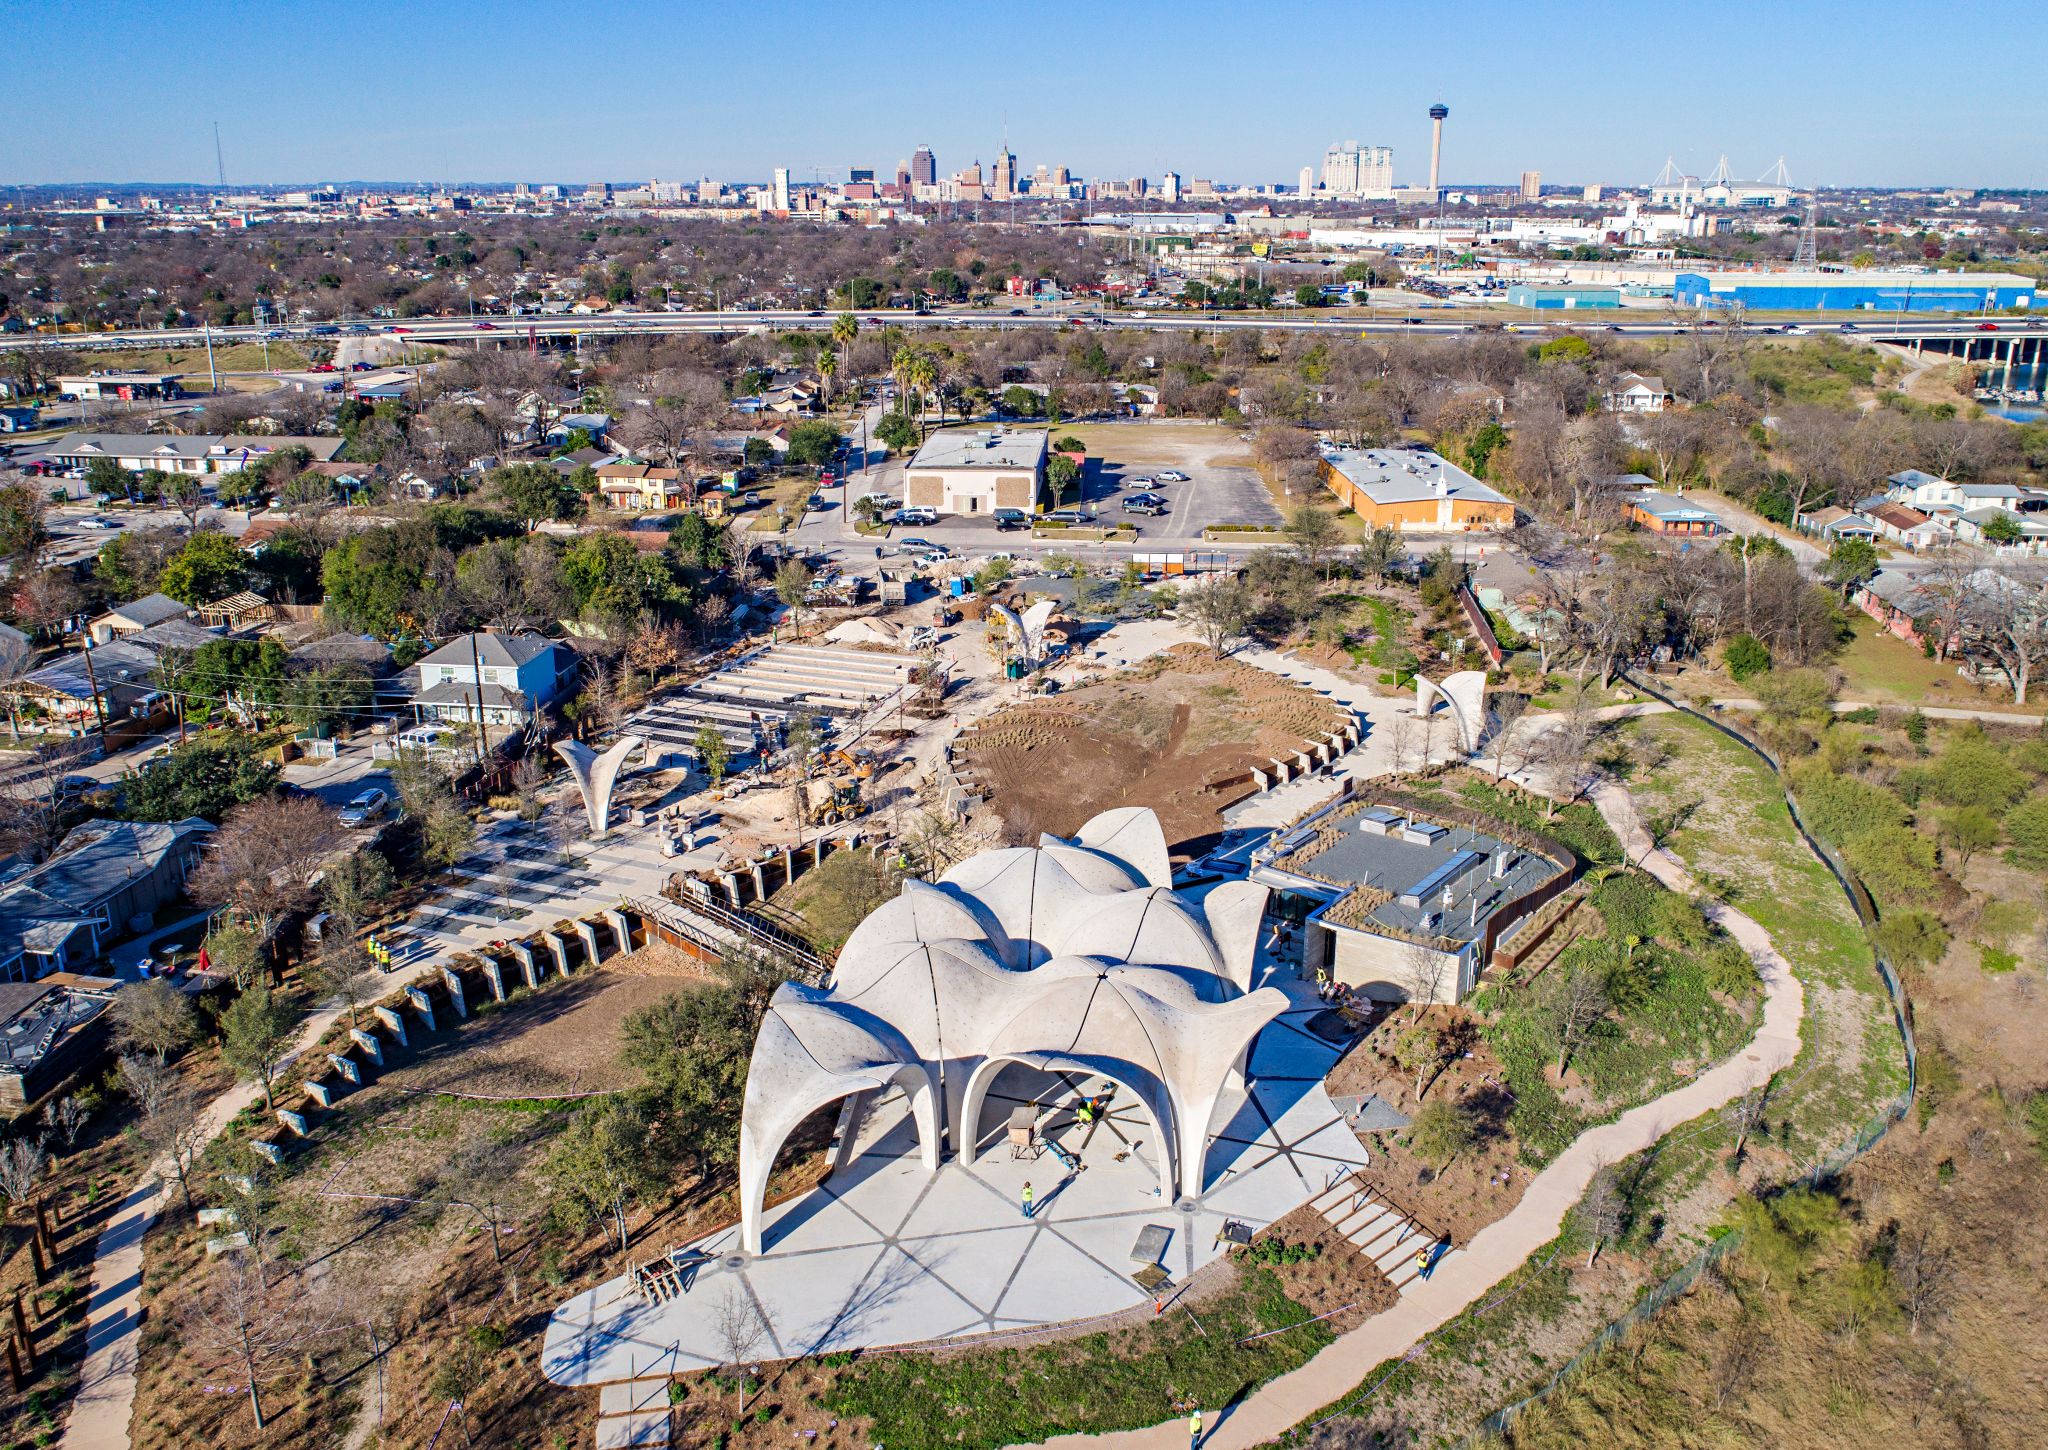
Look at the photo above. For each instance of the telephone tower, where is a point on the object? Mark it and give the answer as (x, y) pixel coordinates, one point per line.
(1808, 253)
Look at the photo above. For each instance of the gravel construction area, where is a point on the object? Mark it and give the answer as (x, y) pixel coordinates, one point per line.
(563, 1039)
(1180, 734)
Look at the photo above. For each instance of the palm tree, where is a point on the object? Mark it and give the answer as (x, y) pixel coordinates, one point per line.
(828, 364)
(922, 376)
(845, 328)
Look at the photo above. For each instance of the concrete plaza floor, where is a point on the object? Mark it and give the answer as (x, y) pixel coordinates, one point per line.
(885, 1252)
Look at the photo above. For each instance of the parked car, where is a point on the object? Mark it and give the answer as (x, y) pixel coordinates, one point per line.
(1011, 519)
(1145, 503)
(915, 542)
(1067, 516)
(1172, 476)
(99, 523)
(918, 516)
(76, 787)
(365, 808)
(1143, 482)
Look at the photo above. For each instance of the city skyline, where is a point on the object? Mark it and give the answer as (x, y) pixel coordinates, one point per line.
(1575, 105)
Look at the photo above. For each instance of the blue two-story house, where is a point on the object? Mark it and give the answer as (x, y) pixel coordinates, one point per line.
(518, 676)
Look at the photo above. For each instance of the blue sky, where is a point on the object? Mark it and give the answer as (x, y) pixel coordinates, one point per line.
(1872, 93)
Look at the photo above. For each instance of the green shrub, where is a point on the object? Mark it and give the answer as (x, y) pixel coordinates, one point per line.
(1974, 772)
(1896, 862)
(1996, 960)
(1911, 938)
(1746, 656)
(1837, 807)
(2026, 826)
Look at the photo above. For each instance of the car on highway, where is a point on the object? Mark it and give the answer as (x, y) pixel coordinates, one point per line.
(1846, 327)
(1145, 503)
(356, 330)
(1016, 312)
(99, 523)
(1987, 327)
(484, 326)
(276, 334)
(365, 808)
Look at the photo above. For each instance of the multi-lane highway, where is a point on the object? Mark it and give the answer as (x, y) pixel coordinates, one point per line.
(1403, 322)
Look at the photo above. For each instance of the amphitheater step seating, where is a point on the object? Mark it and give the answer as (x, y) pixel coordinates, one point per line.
(1378, 1230)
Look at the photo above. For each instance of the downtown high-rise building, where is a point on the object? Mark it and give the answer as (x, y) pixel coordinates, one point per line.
(1532, 185)
(1002, 181)
(1354, 170)
(924, 167)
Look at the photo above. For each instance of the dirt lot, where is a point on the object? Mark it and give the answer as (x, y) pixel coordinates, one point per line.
(557, 1042)
(1178, 734)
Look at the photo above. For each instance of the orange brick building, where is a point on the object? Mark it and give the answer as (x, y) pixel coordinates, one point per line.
(1413, 489)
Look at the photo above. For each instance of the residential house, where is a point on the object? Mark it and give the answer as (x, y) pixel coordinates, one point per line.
(1907, 527)
(390, 687)
(123, 387)
(1403, 488)
(134, 617)
(592, 425)
(515, 676)
(2031, 536)
(102, 884)
(1896, 602)
(1638, 393)
(68, 694)
(242, 610)
(17, 420)
(591, 458)
(49, 1031)
(1671, 516)
(1834, 522)
(196, 453)
(639, 487)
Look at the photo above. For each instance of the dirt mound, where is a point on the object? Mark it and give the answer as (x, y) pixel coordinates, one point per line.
(1180, 733)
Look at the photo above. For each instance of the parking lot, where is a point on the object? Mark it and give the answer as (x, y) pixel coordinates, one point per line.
(1221, 486)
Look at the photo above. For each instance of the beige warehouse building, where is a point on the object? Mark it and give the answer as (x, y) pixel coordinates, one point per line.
(977, 470)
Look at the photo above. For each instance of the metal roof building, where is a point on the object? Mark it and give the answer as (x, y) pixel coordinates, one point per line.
(1855, 291)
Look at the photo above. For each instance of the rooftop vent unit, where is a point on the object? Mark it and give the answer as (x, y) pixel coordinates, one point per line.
(1423, 833)
(1502, 864)
(1379, 822)
(1443, 878)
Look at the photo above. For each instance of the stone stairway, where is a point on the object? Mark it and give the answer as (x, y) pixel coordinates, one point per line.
(1377, 1229)
(633, 1414)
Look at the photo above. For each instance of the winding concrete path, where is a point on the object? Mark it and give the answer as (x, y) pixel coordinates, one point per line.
(1505, 1244)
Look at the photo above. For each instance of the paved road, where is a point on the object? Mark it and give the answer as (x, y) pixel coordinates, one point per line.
(1422, 318)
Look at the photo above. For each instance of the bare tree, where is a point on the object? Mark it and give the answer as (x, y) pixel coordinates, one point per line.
(1740, 1352)
(261, 1329)
(736, 1324)
(66, 1118)
(1925, 1275)
(154, 1016)
(167, 1123)
(2007, 614)
(344, 973)
(1602, 1213)
(1423, 970)
(1509, 744)
(264, 857)
(1573, 1005)
(1746, 1115)
(1401, 738)
(1219, 608)
(483, 1177)
(23, 1164)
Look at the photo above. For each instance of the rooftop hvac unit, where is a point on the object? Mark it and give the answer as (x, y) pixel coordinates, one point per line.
(1502, 864)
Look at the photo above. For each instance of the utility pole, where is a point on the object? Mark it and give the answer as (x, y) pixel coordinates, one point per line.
(477, 689)
(99, 708)
(212, 375)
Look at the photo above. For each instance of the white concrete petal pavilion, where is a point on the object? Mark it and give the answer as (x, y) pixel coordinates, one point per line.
(1023, 982)
(1067, 956)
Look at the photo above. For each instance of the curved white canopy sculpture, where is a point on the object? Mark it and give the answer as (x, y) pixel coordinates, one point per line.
(1070, 956)
(596, 774)
(1464, 695)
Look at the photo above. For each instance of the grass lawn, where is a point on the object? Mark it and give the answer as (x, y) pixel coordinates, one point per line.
(1118, 1380)
(1741, 845)
(1882, 669)
(240, 357)
(789, 491)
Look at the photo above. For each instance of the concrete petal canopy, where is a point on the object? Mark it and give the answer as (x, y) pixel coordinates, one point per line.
(1069, 955)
